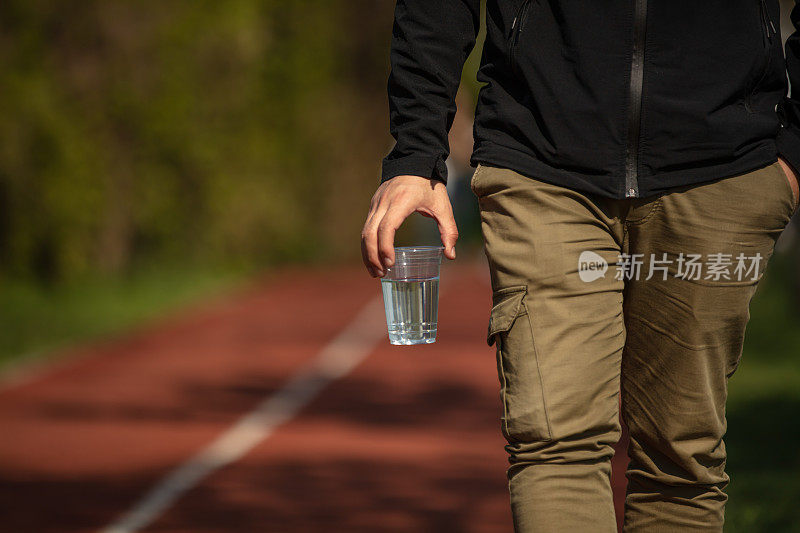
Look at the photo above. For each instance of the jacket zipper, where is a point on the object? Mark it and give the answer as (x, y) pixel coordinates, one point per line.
(635, 111)
(516, 30)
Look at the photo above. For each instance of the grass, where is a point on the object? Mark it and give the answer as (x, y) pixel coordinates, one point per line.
(763, 439)
(36, 321)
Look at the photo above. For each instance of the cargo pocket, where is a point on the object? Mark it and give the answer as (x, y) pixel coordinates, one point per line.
(524, 411)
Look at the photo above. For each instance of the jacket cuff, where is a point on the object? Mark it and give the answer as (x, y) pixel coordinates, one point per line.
(425, 166)
(788, 143)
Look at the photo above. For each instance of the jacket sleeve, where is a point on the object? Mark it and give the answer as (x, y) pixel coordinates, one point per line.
(431, 40)
(788, 139)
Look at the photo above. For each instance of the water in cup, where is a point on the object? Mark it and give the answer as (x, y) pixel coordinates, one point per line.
(411, 295)
(411, 310)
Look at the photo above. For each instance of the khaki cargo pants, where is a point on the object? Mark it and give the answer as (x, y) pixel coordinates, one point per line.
(649, 298)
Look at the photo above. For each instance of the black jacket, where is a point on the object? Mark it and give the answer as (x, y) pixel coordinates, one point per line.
(622, 98)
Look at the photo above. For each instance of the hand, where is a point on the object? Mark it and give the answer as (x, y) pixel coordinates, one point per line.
(391, 204)
(792, 175)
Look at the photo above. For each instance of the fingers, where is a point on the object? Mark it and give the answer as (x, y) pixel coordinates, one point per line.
(448, 232)
(369, 239)
(377, 239)
(387, 228)
(394, 201)
(442, 211)
(367, 254)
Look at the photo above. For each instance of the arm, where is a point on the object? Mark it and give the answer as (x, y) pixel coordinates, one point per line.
(788, 139)
(431, 40)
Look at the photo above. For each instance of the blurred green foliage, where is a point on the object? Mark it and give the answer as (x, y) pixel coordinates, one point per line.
(239, 132)
(762, 412)
(39, 320)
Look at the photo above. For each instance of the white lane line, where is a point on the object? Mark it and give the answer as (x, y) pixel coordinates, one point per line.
(335, 361)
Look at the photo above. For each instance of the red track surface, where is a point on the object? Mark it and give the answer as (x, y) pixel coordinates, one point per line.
(409, 441)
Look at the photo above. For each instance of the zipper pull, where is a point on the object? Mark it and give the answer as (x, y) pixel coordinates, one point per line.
(514, 24)
(769, 26)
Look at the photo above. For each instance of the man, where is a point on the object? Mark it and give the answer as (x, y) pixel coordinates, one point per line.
(635, 167)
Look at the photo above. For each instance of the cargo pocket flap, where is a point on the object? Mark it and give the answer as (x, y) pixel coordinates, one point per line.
(507, 306)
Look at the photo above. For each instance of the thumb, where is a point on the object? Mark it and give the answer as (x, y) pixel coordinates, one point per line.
(449, 233)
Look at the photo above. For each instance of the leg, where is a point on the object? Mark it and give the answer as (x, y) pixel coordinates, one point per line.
(559, 344)
(684, 340)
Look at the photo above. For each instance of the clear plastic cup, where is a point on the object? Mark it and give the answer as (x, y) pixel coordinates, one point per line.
(411, 294)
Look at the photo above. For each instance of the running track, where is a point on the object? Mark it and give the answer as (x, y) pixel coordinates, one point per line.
(281, 408)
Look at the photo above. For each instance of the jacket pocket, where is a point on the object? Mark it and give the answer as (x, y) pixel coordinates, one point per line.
(517, 26)
(768, 31)
(522, 393)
